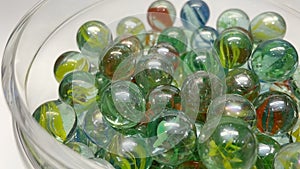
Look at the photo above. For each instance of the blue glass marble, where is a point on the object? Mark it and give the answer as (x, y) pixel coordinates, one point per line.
(194, 14)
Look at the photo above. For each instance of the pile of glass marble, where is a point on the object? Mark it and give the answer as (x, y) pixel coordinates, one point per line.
(180, 97)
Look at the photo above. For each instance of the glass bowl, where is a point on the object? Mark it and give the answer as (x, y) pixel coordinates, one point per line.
(48, 30)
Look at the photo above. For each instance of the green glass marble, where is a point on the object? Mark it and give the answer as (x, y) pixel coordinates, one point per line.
(234, 47)
(131, 25)
(267, 149)
(153, 70)
(174, 36)
(160, 98)
(288, 157)
(81, 149)
(128, 153)
(112, 58)
(197, 92)
(68, 62)
(276, 113)
(57, 118)
(266, 26)
(234, 105)
(123, 104)
(195, 59)
(243, 82)
(176, 138)
(232, 145)
(101, 82)
(78, 89)
(274, 60)
(92, 37)
(232, 17)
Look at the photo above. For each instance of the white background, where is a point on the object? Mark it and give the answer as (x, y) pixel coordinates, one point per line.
(11, 11)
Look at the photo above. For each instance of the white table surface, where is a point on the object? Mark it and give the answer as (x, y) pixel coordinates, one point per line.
(11, 12)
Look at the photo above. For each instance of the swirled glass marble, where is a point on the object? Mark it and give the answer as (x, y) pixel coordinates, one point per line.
(274, 60)
(232, 18)
(266, 26)
(276, 113)
(203, 37)
(232, 145)
(243, 82)
(123, 104)
(176, 138)
(234, 47)
(68, 62)
(78, 89)
(112, 58)
(125, 152)
(288, 157)
(175, 36)
(131, 25)
(57, 118)
(161, 14)
(92, 37)
(194, 14)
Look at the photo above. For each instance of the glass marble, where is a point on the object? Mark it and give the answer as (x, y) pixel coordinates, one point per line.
(176, 138)
(151, 38)
(161, 14)
(243, 82)
(57, 118)
(131, 25)
(112, 58)
(153, 70)
(176, 37)
(274, 60)
(267, 149)
(96, 128)
(234, 105)
(68, 62)
(160, 98)
(232, 145)
(234, 47)
(203, 37)
(232, 18)
(276, 113)
(92, 38)
(288, 157)
(288, 87)
(123, 104)
(168, 51)
(266, 26)
(78, 89)
(81, 149)
(194, 14)
(132, 42)
(125, 152)
(197, 92)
